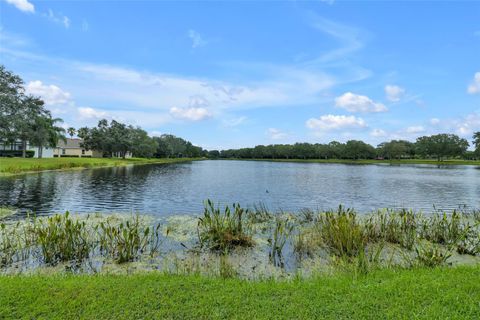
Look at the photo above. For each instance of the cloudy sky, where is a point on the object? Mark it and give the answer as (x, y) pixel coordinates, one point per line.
(238, 74)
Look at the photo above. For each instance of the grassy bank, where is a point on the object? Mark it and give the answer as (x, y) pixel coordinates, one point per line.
(373, 161)
(9, 166)
(452, 293)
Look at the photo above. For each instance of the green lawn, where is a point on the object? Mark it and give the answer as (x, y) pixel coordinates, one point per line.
(10, 166)
(346, 161)
(452, 293)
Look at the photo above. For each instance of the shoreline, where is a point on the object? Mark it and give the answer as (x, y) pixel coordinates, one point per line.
(366, 161)
(88, 163)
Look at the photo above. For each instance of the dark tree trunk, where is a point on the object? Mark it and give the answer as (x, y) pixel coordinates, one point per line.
(24, 148)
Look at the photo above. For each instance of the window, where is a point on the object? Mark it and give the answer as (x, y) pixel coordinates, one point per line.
(83, 151)
(63, 151)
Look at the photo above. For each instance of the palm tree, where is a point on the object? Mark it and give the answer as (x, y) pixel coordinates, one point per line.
(47, 133)
(71, 132)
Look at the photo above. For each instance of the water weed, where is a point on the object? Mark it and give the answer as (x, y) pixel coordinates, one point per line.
(223, 230)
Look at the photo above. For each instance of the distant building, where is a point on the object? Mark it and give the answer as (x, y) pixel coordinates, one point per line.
(72, 148)
(15, 149)
(67, 148)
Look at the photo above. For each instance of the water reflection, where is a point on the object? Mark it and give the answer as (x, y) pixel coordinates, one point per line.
(181, 188)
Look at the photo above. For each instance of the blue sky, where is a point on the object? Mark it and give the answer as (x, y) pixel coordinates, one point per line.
(235, 74)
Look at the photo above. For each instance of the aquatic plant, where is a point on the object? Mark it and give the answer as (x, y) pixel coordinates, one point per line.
(222, 230)
(393, 227)
(62, 238)
(128, 240)
(342, 233)
(431, 255)
(443, 228)
(259, 214)
(281, 232)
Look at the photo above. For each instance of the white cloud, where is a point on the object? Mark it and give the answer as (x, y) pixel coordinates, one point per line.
(434, 121)
(468, 125)
(334, 122)
(90, 113)
(350, 38)
(276, 134)
(58, 18)
(51, 94)
(233, 122)
(191, 114)
(378, 133)
(358, 103)
(474, 87)
(415, 129)
(22, 5)
(394, 93)
(197, 40)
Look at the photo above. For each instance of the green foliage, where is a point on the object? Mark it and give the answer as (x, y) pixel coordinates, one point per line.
(24, 117)
(170, 146)
(431, 255)
(62, 239)
(117, 138)
(393, 227)
(281, 232)
(342, 233)
(125, 242)
(396, 149)
(441, 145)
(222, 230)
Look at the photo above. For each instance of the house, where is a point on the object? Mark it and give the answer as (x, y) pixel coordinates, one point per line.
(72, 148)
(15, 149)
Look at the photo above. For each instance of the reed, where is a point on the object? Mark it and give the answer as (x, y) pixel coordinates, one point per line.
(342, 233)
(393, 227)
(128, 240)
(281, 232)
(223, 230)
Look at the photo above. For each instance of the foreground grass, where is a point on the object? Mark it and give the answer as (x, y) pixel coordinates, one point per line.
(441, 293)
(9, 166)
(372, 161)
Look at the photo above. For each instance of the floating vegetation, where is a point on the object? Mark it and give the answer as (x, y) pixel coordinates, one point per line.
(236, 242)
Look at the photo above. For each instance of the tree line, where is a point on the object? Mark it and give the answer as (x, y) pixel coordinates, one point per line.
(439, 146)
(24, 118)
(116, 138)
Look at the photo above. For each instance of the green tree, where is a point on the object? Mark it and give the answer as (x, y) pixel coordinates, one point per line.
(46, 133)
(71, 131)
(476, 142)
(441, 145)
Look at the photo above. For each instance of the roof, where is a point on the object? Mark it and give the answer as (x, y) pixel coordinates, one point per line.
(70, 144)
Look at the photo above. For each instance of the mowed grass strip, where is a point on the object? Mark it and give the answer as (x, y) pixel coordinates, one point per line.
(441, 293)
(10, 166)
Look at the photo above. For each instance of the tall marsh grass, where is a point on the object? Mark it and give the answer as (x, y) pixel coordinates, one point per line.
(222, 230)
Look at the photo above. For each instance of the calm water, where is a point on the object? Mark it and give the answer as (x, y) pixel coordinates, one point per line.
(182, 188)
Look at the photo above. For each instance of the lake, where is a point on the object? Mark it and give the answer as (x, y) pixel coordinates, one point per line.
(181, 188)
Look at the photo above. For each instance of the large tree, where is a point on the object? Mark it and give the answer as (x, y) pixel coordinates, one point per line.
(441, 145)
(24, 117)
